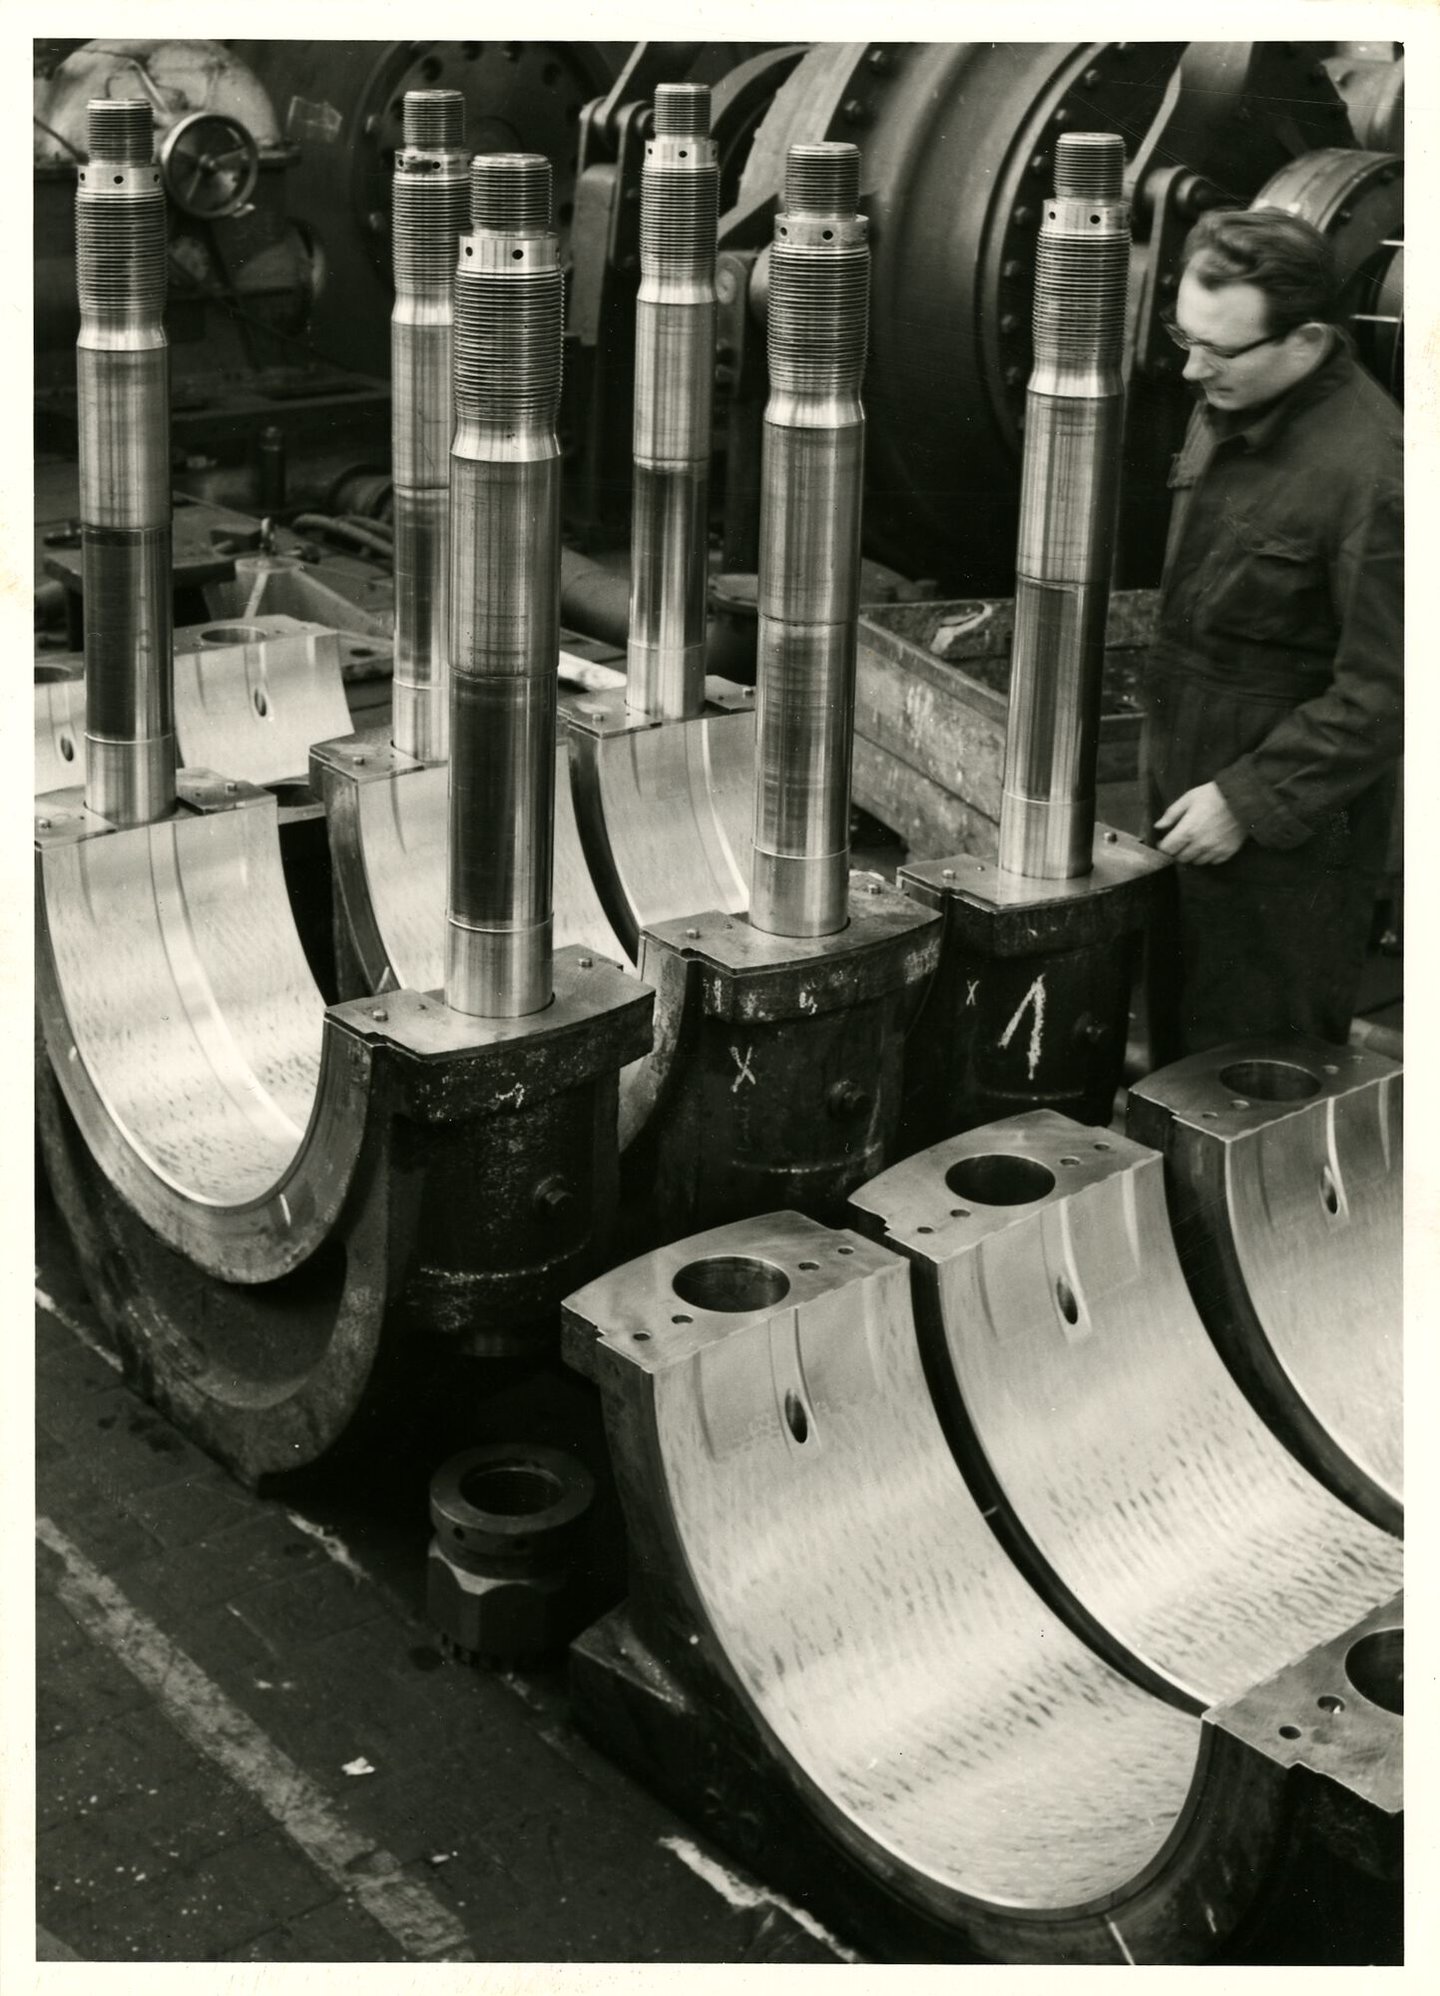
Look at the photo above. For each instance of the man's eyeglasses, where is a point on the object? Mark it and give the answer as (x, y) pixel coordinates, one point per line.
(1186, 344)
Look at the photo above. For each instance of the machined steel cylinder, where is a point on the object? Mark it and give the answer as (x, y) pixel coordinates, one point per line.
(431, 207)
(674, 369)
(504, 591)
(122, 369)
(1070, 484)
(809, 581)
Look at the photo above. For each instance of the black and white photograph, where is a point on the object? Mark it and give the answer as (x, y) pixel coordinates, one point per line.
(718, 998)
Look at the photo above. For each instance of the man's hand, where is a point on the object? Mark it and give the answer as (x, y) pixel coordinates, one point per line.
(1200, 828)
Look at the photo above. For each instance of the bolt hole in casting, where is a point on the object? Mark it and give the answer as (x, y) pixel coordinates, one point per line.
(1376, 1667)
(731, 1282)
(510, 1490)
(994, 1179)
(1269, 1081)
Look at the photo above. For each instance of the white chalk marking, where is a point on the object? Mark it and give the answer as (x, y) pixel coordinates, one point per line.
(972, 985)
(1034, 996)
(203, 1715)
(743, 1895)
(331, 1546)
(76, 1329)
(1120, 1942)
(742, 1061)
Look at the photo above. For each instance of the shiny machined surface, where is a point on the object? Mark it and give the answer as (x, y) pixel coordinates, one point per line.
(664, 812)
(1336, 1716)
(1129, 1473)
(250, 699)
(1284, 1174)
(59, 722)
(1069, 492)
(504, 592)
(799, 1528)
(388, 821)
(809, 577)
(123, 391)
(185, 1028)
(430, 202)
(674, 377)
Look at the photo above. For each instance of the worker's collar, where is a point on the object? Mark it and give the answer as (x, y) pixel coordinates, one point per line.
(1256, 427)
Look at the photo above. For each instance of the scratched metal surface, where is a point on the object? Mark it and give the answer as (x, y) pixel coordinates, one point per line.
(404, 833)
(949, 1722)
(1118, 1440)
(188, 999)
(1311, 1209)
(676, 804)
(250, 698)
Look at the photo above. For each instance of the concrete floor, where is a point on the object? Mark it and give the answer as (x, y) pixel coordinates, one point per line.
(250, 1748)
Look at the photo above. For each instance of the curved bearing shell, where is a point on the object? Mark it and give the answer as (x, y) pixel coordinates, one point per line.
(810, 1567)
(1129, 1475)
(123, 394)
(270, 1197)
(251, 698)
(1283, 1170)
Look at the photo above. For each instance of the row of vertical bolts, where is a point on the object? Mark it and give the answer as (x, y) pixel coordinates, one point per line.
(477, 389)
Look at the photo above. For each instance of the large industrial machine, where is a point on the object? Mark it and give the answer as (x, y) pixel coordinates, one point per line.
(1009, 1466)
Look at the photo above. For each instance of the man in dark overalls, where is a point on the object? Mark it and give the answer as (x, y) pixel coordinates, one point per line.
(1273, 695)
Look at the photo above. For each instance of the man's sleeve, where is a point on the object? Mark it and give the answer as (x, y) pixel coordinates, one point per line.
(1329, 749)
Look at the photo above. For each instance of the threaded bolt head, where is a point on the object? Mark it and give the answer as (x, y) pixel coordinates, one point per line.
(1090, 166)
(682, 110)
(434, 118)
(822, 179)
(121, 128)
(510, 191)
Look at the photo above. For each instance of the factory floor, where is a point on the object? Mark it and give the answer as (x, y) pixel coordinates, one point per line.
(249, 1748)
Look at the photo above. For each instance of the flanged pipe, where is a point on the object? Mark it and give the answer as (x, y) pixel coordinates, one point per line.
(122, 368)
(1070, 485)
(431, 208)
(674, 365)
(810, 546)
(504, 592)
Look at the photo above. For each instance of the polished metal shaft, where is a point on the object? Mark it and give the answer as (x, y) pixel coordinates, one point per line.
(504, 592)
(122, 374)
(674, 369)
(1070, 482)
(431, 208)
(809, 582)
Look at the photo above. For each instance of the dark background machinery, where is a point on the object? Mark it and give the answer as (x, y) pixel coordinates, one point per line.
(278, 158)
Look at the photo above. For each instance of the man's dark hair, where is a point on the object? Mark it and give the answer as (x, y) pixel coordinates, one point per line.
(1287, 259)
